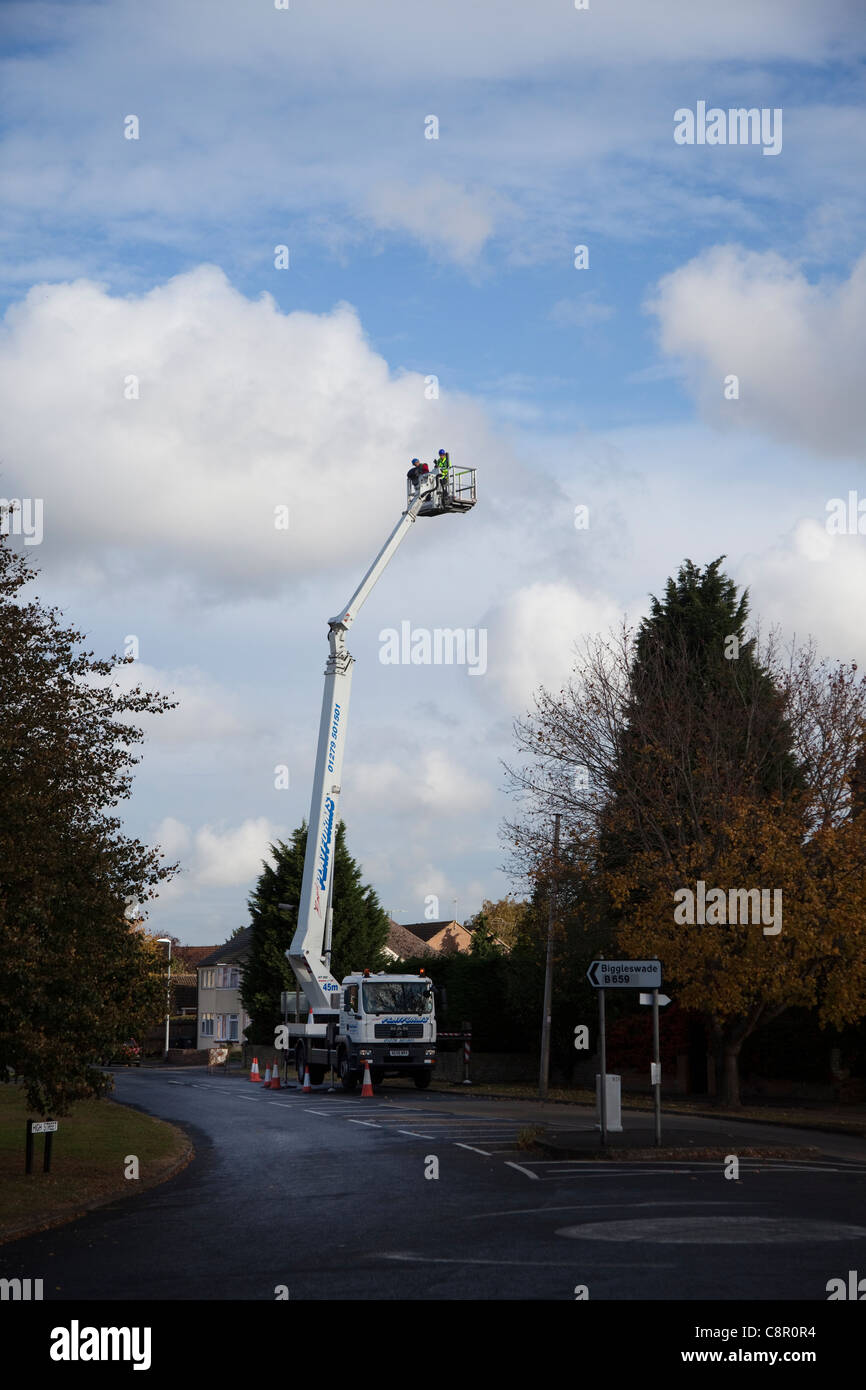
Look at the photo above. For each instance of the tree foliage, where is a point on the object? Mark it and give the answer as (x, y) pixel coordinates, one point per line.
(77, 974)
(685, 753)
(501, 919)
(360, 928)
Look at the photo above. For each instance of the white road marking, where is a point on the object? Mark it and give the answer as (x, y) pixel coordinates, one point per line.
(435, 1260)
(600, 1206)
(317, 1112)
(414, 1134)
(509, 1164)
(372, 1123)
(475, 1151)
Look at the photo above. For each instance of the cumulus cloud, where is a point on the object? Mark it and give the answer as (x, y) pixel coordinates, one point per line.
(532, 635)
(811, 583)
(798, 348)
(215, 855)
(241, 410)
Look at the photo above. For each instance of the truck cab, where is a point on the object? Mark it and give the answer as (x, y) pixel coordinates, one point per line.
(390, 1022)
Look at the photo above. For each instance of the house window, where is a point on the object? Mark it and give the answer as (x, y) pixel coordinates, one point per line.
(227, 1027)
(206, 1028)
(227, 977)
(207, 978)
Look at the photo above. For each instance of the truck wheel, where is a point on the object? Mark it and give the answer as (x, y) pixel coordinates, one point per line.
(348, 1078)
(317, 1075)
(300, 1063)
(422, 1079)
(377, 1075)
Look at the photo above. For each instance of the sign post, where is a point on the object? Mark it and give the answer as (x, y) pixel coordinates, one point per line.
(628, 974)
(46, 1127)
(603, 1051)
(658, 1001)
(657, 1070)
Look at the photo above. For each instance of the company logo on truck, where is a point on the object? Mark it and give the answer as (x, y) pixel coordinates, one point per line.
(332, 746)
(324, 852)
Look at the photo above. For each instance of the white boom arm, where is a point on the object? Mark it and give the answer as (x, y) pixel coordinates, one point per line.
(309, 954)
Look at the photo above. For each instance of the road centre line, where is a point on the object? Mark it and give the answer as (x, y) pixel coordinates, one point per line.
(414, 1134)
(372, 1123)
(475, 1151)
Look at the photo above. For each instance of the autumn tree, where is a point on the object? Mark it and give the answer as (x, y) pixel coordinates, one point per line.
(77, 973)
(501, 919)
(681, 754)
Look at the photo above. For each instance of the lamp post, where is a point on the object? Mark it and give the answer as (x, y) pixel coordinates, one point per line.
(167, 940)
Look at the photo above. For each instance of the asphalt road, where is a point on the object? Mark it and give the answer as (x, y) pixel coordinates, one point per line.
(327, 1195)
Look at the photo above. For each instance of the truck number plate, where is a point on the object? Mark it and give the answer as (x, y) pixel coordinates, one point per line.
(398, 1052)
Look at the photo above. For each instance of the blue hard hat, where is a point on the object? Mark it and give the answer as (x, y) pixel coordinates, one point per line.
(441, 452)
(416, 460)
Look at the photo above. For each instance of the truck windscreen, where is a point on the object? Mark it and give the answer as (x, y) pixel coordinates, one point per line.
(398, 997)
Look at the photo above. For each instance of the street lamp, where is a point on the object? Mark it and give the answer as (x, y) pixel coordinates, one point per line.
(167, 940)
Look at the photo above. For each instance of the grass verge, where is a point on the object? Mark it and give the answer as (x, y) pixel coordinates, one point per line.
(87, 1163)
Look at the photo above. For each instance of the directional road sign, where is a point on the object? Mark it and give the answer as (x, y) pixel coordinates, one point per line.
(648, 999)
(625, 974)
(44, 1126)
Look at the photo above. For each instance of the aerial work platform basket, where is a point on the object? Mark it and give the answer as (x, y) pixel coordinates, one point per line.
(453, 491)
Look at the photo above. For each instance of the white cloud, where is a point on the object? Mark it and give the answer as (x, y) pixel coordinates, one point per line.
(205, 711)
(812, 584)
(215, 855)
(430, 784)
(443, 216)
(798, 349)
(241, 409)
(173, 837)
(532, 636)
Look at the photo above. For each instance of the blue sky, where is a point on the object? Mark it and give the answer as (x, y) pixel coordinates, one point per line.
(410, 257)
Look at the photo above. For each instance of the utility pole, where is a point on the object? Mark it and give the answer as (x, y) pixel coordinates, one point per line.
(544, 1070)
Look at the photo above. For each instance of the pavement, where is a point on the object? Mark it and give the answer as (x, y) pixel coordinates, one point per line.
(426, 1196)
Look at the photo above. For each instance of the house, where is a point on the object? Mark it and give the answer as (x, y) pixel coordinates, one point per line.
(221, 1015)
(443, 938)
(184, 997)
(402, 944)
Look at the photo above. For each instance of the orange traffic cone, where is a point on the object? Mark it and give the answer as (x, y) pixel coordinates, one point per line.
(268, 1077)
(275, 1077)
(306, 1086)
(254, 1070)
(367, 1088)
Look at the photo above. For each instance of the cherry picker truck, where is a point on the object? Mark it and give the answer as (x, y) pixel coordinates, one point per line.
(384, 1021)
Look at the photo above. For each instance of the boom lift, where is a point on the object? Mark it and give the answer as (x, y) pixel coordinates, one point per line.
(365, 1019)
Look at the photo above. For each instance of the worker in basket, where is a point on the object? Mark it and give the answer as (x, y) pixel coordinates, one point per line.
(415, 472)
(443, 463)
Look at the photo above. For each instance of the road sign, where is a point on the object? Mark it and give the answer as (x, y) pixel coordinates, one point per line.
(625, 974)
(43, 1126)
(648, 999)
